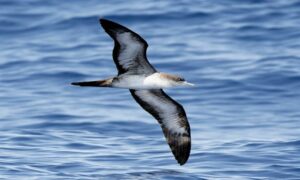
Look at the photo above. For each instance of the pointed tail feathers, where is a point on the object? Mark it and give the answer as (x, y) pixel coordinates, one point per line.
(99, 83)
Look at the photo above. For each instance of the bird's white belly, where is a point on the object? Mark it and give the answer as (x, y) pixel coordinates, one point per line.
(153, 81)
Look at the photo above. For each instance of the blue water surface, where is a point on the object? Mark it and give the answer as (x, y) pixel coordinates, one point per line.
(244, 113)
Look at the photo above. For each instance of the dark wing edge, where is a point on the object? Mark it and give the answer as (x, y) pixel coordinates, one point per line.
(115, 30)
(180, 143)
(112, 28)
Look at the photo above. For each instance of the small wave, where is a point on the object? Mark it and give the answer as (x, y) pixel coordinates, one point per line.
(56, 116)
(62, 76)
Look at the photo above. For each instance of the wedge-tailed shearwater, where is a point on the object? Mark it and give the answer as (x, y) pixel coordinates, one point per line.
(145, 84)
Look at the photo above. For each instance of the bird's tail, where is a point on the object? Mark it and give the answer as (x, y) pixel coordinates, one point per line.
(99, 83)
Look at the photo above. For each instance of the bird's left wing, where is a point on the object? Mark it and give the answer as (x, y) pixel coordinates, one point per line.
(129, 52)
(172, 118)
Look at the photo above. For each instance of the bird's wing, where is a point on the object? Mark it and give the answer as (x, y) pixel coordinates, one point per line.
(172, 118)
(129, 53)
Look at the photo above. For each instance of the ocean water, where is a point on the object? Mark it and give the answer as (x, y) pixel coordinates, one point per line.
(244, 112)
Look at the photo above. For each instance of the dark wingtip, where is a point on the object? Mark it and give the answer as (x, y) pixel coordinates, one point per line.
(104, 21)
(101, 20)
(75, 83)
(113, 28)
(182, 160)
(183, 155)
(110, 26)
(180, 146)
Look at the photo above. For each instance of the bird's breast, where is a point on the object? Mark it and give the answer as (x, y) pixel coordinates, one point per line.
(156, 81)
(153, 81)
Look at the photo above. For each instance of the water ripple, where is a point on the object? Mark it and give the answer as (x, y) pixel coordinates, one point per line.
(244, 111)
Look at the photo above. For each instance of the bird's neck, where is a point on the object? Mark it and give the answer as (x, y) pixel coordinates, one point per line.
(158, 80)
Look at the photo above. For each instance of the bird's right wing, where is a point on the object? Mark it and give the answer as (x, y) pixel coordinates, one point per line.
(129, 53)
(172, 118)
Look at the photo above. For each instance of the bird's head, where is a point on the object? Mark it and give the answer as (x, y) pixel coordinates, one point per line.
(175, 80)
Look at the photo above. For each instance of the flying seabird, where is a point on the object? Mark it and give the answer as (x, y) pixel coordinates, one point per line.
(145, 84)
